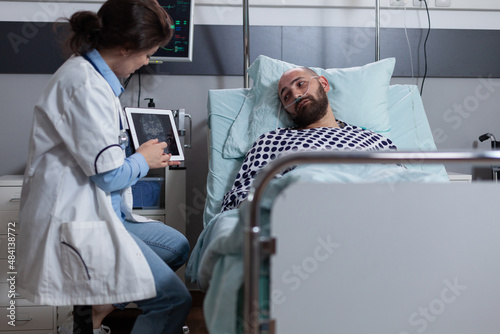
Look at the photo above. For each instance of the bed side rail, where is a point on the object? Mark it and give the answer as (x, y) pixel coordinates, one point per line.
(252, 229)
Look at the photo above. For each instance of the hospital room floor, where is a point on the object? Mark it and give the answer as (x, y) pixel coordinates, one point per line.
(121, 322)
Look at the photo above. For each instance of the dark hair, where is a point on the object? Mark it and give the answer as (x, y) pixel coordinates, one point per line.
(137, 25)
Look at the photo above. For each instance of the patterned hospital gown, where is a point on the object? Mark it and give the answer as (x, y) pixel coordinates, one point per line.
(271, 145)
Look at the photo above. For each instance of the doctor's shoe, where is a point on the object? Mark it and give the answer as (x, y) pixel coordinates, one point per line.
(102, 330)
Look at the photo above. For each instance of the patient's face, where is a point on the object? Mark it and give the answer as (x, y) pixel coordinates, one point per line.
(314, 103)
(293, 84)
(312, 111)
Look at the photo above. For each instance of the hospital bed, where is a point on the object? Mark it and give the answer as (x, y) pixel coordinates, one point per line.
(403, 255)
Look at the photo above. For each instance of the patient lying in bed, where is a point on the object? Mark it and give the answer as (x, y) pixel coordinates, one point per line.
(216, 262)
(303, 95)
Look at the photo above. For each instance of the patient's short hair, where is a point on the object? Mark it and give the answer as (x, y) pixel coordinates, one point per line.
(309, 71)
(305, 69)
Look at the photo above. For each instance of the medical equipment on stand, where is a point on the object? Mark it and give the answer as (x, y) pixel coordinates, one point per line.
(494, 146)
(173, 205)
(179, 117)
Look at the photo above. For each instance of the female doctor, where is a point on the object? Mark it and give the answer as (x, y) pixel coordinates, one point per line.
(79, 243)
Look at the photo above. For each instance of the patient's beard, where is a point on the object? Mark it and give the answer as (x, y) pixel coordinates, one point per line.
(312, 111)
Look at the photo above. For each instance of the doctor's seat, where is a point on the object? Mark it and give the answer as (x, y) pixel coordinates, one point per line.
(82, 319)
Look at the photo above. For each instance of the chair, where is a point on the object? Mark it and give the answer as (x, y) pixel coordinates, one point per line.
(82, 319)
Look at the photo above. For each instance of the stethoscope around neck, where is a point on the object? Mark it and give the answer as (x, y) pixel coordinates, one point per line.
(123, 137)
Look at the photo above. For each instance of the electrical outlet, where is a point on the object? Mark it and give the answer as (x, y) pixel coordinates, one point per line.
(443, 3)
(418, 3)
(398, 2)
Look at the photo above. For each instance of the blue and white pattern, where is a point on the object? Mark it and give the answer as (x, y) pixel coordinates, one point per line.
(273, 144)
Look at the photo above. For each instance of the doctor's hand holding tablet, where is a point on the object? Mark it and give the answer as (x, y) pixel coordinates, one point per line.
(154, 153)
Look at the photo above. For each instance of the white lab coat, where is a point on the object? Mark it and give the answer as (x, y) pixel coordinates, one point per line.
(72, 247)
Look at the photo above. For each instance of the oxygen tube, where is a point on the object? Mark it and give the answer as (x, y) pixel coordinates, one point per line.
(302, 96)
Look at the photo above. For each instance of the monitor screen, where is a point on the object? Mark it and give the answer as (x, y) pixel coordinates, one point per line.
(180, 47)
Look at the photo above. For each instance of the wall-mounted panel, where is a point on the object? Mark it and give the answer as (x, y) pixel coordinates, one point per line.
(32, 47)
(450, 53)
(218, 50)
(29, 47)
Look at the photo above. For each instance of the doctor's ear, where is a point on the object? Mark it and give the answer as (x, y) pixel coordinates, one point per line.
(125, 52)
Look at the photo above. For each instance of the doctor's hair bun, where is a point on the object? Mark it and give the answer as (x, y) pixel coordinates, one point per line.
(86, 27)
(136, 25)
(85, 22)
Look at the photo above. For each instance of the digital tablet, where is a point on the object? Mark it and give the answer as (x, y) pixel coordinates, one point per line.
(149, 123)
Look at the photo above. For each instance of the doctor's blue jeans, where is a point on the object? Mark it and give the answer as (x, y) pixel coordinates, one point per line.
(166, 250)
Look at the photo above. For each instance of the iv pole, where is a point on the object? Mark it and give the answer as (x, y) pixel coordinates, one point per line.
(377, 30)
(246, 43)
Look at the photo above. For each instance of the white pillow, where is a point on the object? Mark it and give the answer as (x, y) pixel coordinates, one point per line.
(358, 96)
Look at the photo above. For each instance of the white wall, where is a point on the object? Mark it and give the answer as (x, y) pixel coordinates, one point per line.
(462, 14)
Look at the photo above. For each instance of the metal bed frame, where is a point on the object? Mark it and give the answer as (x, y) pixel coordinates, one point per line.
(258, 247)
